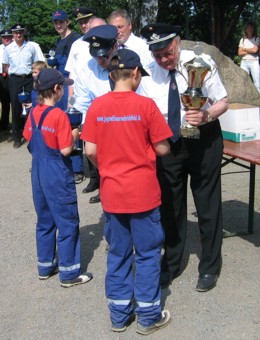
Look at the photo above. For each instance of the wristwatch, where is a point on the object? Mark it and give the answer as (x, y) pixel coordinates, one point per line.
(209, 116)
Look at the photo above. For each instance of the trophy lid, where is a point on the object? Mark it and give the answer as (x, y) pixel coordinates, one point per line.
(198, 61)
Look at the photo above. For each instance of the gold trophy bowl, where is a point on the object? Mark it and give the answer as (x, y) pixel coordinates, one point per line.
(193, 102)
(193, 98)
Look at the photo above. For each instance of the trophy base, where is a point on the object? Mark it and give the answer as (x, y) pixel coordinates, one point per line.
(191, 132)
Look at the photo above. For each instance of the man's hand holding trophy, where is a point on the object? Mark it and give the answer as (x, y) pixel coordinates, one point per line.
(193, 98)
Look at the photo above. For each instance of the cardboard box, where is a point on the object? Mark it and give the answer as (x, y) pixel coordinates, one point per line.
(241, 123)
(243, 136)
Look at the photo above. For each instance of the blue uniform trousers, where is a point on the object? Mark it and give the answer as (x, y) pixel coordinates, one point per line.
(143, 233)
(55, 201)
(77, 160)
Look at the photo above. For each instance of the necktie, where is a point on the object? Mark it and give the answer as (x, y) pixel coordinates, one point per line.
(174, 107)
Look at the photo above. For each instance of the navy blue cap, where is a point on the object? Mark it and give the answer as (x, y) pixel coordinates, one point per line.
(159, 35)
(126, 59)
(49, 77)
(60, 15)
(83, 13)
(101, 39)
(6, 33)
(17, 27)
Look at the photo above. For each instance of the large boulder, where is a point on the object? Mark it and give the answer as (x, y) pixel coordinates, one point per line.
(239, 85)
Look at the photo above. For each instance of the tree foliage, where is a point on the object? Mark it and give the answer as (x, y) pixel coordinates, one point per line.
(217, 22)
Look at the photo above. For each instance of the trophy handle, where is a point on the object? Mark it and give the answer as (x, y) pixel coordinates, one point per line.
(180, 67)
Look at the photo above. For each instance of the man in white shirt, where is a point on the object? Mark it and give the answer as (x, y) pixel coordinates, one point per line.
(7, 38)
(79, 50)
(78, 56)
(200, 159)
(17, 60)
(126, 38)
(92, 79)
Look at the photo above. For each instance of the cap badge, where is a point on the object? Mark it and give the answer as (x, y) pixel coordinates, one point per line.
(96, 44)
(155, 36)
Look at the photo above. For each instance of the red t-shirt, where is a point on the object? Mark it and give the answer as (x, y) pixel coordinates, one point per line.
(124, 125)
(56, 128)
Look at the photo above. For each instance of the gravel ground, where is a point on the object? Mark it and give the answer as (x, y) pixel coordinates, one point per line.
(33, 309)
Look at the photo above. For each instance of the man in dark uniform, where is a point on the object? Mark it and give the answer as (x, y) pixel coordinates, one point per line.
(7, 38)
(17, 60)
(62, 48)
(198, 158)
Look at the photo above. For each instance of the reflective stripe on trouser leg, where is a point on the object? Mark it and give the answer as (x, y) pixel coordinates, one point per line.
(68, 243)
(62, 203)
(119, 277)
(148, 237)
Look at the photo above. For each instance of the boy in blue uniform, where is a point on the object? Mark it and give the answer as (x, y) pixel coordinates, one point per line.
(51, 140)
(124, 132)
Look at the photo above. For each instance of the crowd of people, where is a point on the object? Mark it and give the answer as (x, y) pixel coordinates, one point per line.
(128, 90)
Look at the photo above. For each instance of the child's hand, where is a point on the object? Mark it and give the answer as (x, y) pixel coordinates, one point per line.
(75, 134)
(27, 105)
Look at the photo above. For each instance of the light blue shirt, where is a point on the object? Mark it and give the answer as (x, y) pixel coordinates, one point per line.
(91, 81)
(20, 59)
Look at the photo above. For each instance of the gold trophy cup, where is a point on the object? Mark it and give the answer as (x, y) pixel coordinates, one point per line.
(193, 98)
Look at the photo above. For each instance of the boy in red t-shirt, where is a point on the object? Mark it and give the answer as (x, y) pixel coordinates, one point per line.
(51, 140)
(124, 132)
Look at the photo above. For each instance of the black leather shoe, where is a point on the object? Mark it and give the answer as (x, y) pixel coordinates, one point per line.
(17, 144)
(94, 199)
(92, 186)
(206, 282)
(166, 279)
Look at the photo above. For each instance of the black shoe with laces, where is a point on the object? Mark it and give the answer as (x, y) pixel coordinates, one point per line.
(17, 144)
(206, 282)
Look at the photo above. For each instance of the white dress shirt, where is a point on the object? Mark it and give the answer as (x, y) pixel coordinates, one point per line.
(139, 46)
(157, 85)
(2, 48)
(78, 56)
